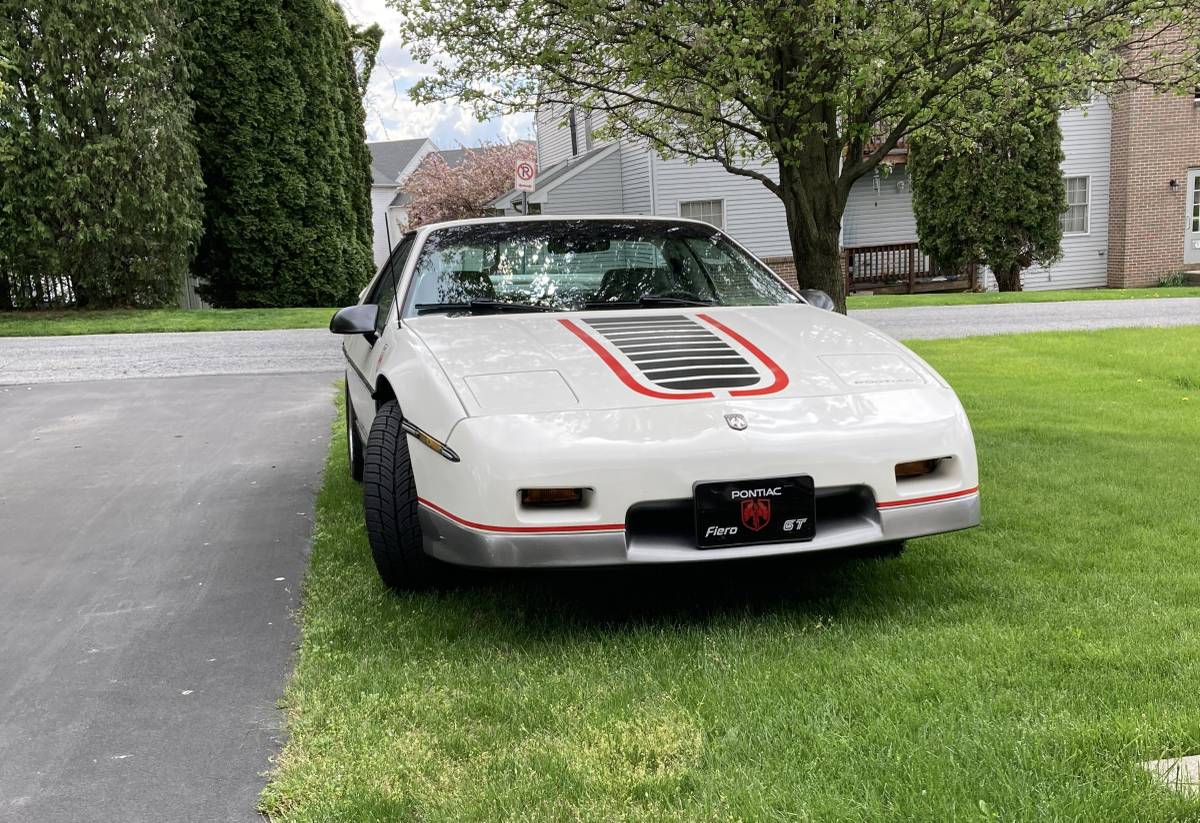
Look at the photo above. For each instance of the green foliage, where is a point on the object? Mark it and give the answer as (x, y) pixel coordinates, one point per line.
(804, 97)
(365, 42)
(1175, 279)
(279, 118)
(996, 202)
(98, 172)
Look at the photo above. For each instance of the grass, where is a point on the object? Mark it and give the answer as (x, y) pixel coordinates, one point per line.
(1018, 671)
(896, 301)
(119, 321)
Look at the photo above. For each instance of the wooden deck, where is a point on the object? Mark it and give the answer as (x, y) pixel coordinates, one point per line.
(901, 268)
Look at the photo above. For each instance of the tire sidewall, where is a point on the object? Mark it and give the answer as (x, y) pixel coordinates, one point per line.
(391, 506)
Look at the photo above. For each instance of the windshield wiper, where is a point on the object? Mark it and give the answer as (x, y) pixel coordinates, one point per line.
(649, 301)
(480, 307)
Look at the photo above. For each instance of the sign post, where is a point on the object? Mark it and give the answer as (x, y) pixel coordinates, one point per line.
(524, 181)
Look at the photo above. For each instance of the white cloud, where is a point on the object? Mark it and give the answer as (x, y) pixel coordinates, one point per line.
(392, 115)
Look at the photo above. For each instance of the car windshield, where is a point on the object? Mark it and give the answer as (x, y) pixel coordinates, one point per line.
(573, 265)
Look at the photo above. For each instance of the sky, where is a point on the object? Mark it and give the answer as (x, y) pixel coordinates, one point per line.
(392, 115)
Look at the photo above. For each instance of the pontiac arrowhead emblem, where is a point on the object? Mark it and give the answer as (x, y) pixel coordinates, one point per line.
(736, 422)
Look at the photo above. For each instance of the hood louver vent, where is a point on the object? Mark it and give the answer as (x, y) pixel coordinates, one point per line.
(676, 352)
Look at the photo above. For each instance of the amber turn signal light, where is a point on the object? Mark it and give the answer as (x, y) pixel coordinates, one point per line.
(915, 468)
(551, 497)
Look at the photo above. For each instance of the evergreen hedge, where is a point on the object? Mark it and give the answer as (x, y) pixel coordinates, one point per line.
(98, 171)
(136, 134)
(279, 121)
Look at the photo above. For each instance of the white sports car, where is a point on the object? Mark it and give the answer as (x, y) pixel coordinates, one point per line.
(583, 391)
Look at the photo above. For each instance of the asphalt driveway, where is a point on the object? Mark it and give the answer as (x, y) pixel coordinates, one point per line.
(153, 536)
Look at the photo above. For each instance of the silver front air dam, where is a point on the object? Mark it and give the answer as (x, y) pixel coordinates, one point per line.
(454, 542)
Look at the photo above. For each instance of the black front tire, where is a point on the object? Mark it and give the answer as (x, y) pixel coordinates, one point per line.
(354, 444)
(391, 507)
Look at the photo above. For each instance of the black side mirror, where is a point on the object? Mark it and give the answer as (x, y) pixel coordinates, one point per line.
(817, 298)
(355, 319)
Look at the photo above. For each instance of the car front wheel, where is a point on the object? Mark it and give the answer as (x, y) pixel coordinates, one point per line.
(390, 505)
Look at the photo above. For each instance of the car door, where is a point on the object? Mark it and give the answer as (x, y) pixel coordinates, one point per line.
(364, 352)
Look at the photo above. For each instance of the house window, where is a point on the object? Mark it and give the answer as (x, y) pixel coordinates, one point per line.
(710, 211)
(1075, 218)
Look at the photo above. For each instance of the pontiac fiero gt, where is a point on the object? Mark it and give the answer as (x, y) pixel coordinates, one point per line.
(592, 391)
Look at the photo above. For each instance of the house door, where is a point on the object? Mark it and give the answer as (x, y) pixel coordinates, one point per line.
(1191, 237)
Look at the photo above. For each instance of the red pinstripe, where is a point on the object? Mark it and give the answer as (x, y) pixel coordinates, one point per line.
(781, 378)
(933, 498)
(626, 378)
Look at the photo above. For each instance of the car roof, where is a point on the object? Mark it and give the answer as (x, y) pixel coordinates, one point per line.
(556, 218)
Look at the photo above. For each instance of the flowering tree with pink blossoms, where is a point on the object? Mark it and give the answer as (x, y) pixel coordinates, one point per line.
(441, 192)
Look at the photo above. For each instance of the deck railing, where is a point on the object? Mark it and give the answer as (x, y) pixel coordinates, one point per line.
(901, 267)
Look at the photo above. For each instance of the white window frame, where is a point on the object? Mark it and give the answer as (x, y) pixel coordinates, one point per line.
(1087, 203)
(680, 203)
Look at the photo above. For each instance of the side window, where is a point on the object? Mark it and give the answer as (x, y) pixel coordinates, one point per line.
(384, 293)
(710, 211)
(1075, 219)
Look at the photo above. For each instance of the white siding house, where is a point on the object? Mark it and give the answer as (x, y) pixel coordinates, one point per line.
(1087, 142)
(392, 162)
(594, 186)
(749, 212)
(635, 181)
(626, 178)
(879, 210)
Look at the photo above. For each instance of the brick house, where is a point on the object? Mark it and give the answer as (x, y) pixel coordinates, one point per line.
(1154, 211)
(1132, 175)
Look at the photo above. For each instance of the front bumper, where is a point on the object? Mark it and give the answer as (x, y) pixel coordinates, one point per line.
(453, 540)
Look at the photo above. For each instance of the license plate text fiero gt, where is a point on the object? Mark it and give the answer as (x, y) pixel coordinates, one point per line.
(778, 510)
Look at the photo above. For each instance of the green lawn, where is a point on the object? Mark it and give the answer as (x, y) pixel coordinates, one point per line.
(1018, 671)
(117, 321)
(895, 301)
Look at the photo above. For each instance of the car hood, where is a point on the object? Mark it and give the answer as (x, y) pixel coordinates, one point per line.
(527, 363)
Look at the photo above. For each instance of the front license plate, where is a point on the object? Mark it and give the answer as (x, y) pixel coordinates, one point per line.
(748, 512)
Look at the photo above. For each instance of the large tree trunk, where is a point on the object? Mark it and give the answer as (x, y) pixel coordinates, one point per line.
(1009, 278)
(813, 203)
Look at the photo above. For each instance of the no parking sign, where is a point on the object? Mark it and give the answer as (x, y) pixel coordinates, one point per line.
(525, 176)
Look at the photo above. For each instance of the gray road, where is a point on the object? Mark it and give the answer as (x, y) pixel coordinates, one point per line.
(153, 535)
(105, 356)
(932, 322)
